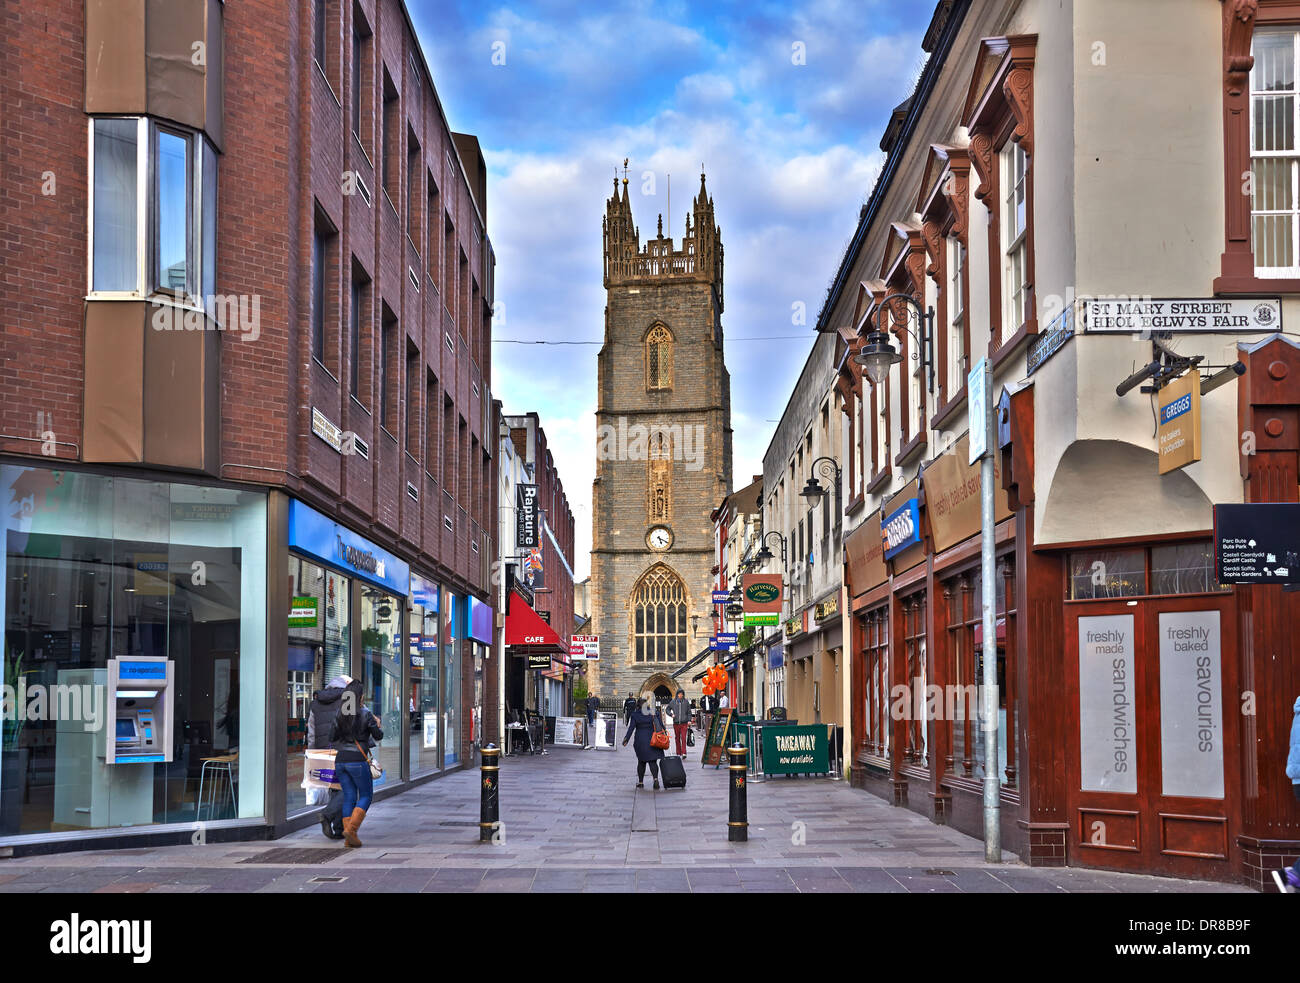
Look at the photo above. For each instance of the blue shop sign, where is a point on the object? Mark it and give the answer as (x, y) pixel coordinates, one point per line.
(321, 538)
(901, 529)
(775, 657)
(480, 620)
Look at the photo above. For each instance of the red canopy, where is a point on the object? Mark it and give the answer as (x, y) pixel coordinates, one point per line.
(524, 626)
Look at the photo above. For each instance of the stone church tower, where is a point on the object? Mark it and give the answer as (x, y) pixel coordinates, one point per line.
(663, 456)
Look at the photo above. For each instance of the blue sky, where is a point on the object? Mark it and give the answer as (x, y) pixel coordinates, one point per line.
(791, 152)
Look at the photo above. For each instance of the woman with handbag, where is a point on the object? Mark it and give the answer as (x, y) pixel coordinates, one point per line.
(651, 740)
(354, 767)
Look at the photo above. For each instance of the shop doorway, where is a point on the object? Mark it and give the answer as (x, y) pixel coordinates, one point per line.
(1153, 756)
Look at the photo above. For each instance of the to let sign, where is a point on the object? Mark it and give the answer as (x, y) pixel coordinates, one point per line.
(1257, 543)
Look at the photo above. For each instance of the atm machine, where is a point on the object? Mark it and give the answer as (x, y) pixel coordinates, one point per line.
(100, 778)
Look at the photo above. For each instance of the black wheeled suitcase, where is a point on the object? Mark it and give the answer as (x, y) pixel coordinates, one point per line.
(672, 772)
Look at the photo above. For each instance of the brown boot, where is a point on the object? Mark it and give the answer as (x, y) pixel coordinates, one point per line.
(351, 825)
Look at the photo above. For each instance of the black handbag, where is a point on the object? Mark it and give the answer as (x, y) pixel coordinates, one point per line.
(690, 738)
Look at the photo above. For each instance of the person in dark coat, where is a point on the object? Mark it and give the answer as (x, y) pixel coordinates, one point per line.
(643, 722)
(354, 725)
(320, 721)
(629, 707)
(593, 704)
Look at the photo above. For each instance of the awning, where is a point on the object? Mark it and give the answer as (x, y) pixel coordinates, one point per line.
(526, 629)
(694, 662)
(738, 656)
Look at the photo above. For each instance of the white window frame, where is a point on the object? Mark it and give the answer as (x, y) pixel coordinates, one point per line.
(197, 149)
(1292, 271)
(1015, 247)
(956, 367)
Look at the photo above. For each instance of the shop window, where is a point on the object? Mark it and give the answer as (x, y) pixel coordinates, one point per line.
(1107, 573)
(913, 634)
(381, 673)
(320, 651)
(1184, 568)
(875, 653)
(100, 567)
(451, 652)
(161, 180)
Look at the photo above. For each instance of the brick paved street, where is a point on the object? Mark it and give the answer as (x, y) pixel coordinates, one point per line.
(574, 822)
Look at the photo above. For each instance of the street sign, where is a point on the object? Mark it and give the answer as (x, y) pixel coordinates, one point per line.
(1142, 315)
(977, 386)
(1257, 543)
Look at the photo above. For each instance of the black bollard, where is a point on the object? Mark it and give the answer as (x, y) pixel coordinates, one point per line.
(489, 802)
(738, 820)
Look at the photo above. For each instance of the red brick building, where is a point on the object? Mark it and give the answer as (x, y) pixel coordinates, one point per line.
(245, 408)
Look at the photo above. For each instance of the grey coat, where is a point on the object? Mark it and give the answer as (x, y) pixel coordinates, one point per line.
(680, 708)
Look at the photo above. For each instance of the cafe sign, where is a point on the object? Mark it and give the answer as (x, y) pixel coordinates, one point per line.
(796, 750)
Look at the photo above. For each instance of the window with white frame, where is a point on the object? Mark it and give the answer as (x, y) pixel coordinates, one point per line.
(956, 317)
(1014, 246)
(881, 457)
(153, 209)
(1275, 231)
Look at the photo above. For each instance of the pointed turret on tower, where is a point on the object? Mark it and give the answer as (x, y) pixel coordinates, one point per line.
(699, 258)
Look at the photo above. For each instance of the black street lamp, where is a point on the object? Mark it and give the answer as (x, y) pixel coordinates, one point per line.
(765, 554)
(813, 489)
(878, 354)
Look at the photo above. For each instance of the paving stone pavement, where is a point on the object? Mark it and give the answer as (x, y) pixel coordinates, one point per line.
(568, 825)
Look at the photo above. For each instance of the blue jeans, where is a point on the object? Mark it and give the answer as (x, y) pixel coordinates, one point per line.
(358, 786)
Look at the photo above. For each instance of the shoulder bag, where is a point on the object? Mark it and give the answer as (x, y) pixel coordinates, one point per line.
(659, 738)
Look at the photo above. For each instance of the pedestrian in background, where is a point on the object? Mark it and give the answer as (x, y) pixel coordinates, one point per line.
(1287, 879)
(642, 722)
(681, 711)
(629, 707)
(353, 725)
(593, 704)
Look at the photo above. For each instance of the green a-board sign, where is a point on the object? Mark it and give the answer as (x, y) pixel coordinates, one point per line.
(796, 750)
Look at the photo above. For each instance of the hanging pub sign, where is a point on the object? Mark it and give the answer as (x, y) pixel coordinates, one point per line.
(762, 598)
(1145, 315)
(1178, 434)
(527, 533)
(1257, 543)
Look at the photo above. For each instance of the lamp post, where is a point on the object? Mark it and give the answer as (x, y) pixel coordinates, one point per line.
(878, 354)
(765, 554)
(813, 490)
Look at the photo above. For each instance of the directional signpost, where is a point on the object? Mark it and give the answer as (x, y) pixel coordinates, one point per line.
(1257, 543)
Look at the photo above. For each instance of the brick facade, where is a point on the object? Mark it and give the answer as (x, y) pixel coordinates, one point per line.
(288, 158)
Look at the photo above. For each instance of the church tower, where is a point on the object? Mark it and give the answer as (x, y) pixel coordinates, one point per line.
(663, 454)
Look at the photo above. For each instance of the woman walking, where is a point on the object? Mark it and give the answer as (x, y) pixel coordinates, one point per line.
(355, 729)
(644, 723)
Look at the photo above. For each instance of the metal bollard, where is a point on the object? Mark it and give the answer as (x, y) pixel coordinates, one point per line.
(489, 812)
(737, 820)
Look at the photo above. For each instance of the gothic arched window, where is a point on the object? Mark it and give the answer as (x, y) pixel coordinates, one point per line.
(659, 358)
(659, 617)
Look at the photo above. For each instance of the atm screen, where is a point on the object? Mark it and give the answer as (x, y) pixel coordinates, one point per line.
(126, 729)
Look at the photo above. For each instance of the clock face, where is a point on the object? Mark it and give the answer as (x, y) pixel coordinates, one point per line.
(659, 538)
